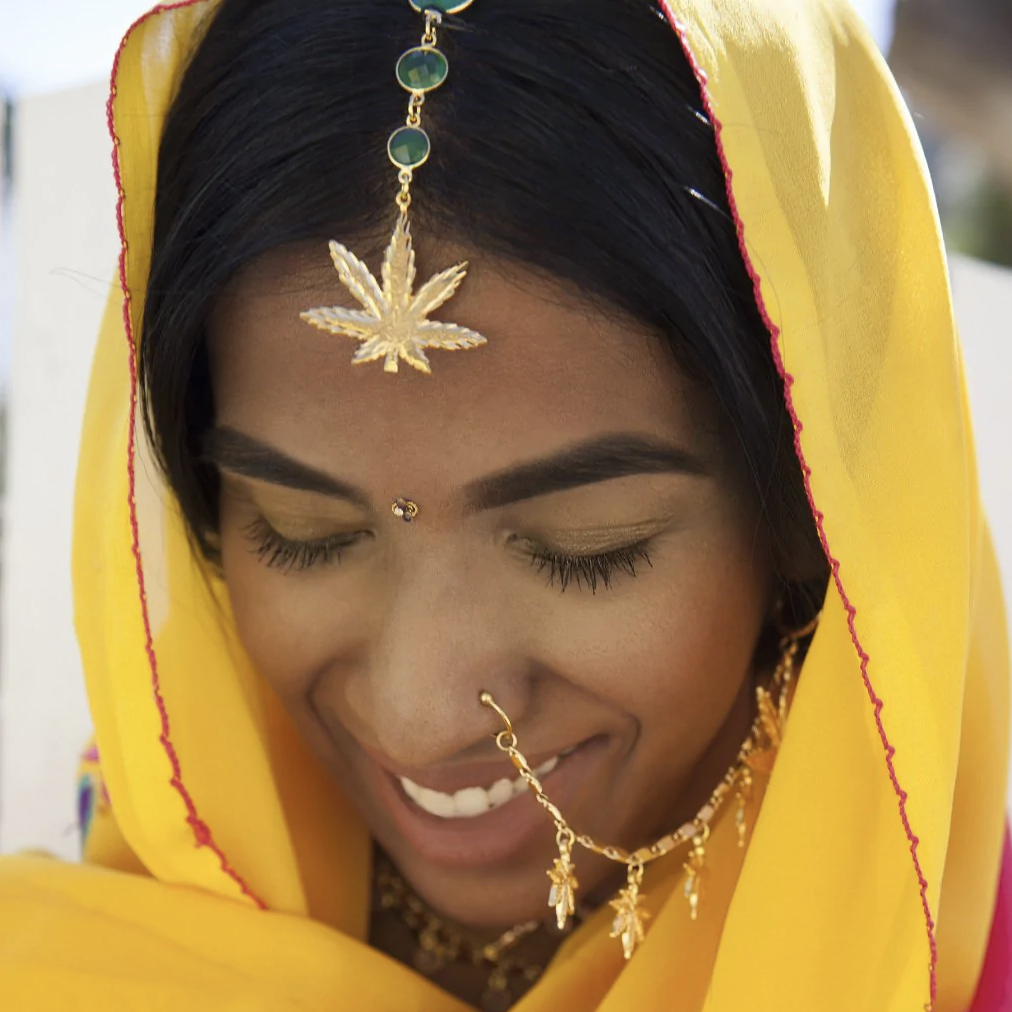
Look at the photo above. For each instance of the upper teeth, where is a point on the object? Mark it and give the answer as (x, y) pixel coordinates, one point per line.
(471, 801)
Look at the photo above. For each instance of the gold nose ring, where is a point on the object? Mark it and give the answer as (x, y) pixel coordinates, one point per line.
(486, 699)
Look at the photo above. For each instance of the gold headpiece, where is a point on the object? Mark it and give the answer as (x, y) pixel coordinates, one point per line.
(393, 322)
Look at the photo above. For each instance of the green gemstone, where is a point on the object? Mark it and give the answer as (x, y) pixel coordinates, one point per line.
(443, 6)
(408, 147)
(422, 69)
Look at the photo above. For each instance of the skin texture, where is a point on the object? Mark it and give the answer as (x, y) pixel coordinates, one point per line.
(382, 654)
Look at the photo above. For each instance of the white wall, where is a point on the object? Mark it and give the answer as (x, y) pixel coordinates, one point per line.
(66, 249)
(983, 296)
(51, 45)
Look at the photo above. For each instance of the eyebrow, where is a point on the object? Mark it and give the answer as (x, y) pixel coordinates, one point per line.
(617, 455)
(241, 454)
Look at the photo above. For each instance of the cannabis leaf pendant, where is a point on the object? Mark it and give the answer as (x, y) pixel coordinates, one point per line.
(628, 924)
(562, 895)
(393, 323)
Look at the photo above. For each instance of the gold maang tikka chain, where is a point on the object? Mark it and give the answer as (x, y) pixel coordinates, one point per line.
(393, 322)
(755, 757)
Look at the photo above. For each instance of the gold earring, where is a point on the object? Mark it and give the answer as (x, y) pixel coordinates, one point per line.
(695, 872)
(743, 796)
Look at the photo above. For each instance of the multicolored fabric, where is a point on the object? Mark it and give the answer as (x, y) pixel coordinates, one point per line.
(237, 876)
(92, 797)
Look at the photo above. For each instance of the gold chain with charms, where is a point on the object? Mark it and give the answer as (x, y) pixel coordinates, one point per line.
(439, 943)
(756, 755)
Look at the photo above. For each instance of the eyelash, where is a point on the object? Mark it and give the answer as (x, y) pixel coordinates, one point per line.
(277, 552)
(585, 571)
(589, 571)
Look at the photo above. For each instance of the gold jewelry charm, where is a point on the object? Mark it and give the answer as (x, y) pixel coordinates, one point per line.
(562, 895)
(756, 756)
(392, 321)
(695, 871)
(743, 796)
(404, 509)
(628, 924)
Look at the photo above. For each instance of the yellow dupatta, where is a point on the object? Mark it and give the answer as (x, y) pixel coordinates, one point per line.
(236, 877)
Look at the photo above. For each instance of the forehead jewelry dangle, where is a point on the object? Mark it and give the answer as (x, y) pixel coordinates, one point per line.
(392, 322)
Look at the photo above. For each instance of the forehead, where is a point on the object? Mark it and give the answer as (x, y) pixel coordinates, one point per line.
(557, 369)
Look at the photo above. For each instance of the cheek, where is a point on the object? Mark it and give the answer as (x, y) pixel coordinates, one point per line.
(673, 653)
(292, 627)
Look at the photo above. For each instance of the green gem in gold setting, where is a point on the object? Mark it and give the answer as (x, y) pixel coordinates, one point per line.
(409, 147)
(422, 69)
(443, 6)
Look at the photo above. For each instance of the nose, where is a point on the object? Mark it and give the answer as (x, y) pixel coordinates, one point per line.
(447, 635)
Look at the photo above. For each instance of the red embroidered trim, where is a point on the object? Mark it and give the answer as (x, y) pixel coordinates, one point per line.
(819, 516)
(201, 831)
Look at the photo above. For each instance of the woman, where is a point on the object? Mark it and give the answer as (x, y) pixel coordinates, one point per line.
(703, 396)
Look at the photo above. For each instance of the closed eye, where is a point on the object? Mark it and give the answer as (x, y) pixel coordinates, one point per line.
(589, 571)
(276, 551)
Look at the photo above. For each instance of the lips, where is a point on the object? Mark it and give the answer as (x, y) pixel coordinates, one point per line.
(474, 825)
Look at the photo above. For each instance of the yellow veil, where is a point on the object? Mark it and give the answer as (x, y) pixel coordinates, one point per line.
(236, 877)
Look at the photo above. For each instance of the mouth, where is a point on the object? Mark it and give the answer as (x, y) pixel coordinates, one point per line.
(472, 818)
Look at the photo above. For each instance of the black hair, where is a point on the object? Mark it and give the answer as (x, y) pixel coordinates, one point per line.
(570, 138)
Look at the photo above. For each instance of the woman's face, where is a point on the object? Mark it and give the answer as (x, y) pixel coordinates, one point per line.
(582, 550)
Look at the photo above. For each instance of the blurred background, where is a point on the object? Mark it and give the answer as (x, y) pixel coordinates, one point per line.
(58, 247)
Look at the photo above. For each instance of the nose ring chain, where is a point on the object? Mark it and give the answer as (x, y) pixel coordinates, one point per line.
(755, 757)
